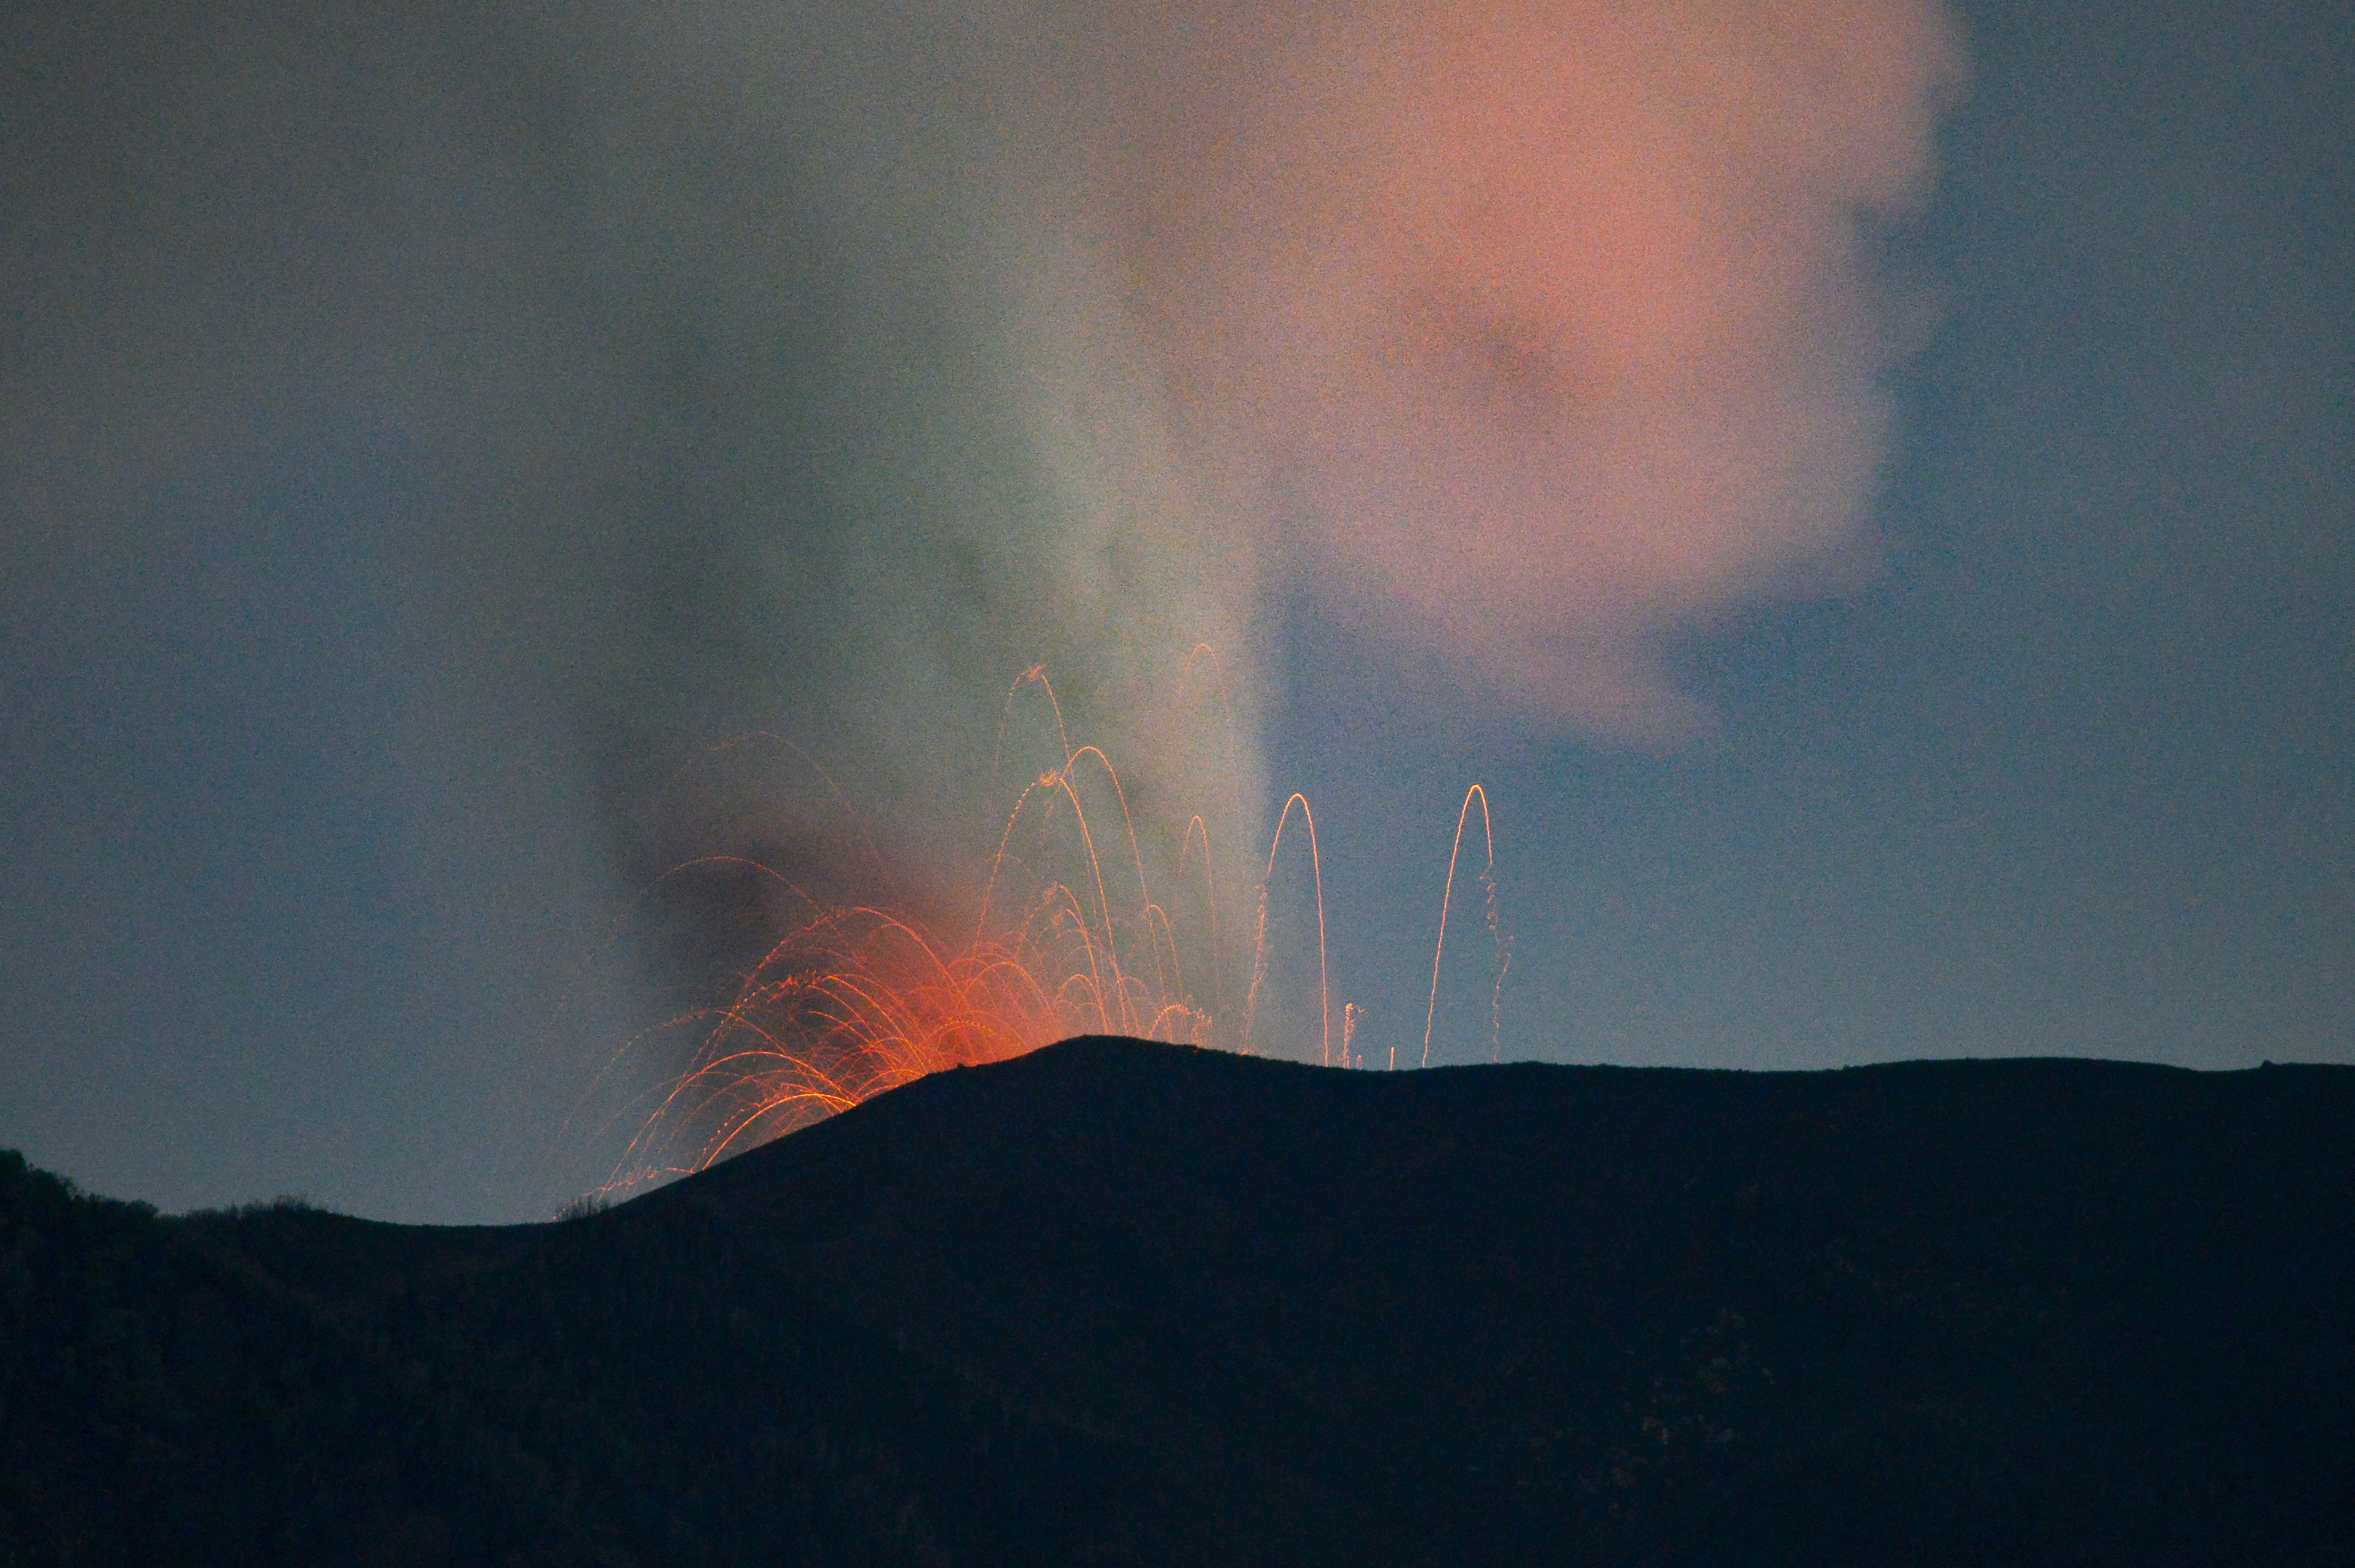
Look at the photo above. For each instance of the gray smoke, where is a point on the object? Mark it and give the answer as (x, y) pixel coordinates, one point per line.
(816, 370)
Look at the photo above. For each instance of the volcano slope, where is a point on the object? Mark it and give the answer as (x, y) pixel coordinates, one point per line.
(1123, 1303)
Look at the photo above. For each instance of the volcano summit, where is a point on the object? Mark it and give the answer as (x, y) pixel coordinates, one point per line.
(1123, 1303)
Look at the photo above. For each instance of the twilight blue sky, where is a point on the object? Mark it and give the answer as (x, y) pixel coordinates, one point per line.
(2077, 776)
(325, 754)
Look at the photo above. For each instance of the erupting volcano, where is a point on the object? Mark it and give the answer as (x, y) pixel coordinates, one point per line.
(1070, 938)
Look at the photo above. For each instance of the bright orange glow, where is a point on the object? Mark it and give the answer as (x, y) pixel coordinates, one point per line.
(858, 1000)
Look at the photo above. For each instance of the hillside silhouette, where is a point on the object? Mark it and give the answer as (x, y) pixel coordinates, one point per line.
(1124, 1303)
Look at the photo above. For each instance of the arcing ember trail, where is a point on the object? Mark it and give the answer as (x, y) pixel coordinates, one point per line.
(1070, 939)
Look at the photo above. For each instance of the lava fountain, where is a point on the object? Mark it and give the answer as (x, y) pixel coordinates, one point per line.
(1069, 938)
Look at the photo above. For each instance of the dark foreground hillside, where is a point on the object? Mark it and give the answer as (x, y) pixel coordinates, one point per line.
(1117, 1303)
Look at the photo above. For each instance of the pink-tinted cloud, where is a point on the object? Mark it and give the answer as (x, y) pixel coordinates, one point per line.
(1546, 327)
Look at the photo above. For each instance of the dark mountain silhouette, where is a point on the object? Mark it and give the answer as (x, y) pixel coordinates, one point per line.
(1120, 1303)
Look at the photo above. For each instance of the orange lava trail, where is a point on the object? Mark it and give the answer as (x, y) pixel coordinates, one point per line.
(1096, 869)
(1259, 938)
(1205, 652)
(1439, 949)
(859, 1000)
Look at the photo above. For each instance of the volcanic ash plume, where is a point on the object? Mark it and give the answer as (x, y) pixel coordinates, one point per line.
(817, 369)
(1530, 334)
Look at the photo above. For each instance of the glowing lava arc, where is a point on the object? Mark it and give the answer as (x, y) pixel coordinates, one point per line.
(859, 1000)
(1259, 934)
(853, 1003)
(1495, 933)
